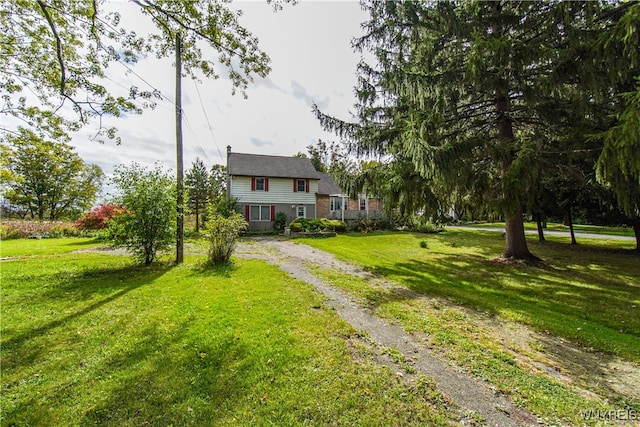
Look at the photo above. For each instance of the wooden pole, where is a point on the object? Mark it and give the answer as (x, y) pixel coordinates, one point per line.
(179, 160)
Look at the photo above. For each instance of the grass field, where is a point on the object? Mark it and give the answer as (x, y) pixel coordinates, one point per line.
(89, 338)
(476, 312)
(589, 294)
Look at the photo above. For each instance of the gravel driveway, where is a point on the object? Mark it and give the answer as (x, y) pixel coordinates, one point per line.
(471, 396)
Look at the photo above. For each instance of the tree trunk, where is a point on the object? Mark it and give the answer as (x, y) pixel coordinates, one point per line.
(570, 221)
(197, 209)
(515, 240)
(636, 231)
(540, 228)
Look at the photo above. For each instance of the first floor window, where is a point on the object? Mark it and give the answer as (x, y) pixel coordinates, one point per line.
(363, 204)
(336, 203)
(301, 212)
(260, 213)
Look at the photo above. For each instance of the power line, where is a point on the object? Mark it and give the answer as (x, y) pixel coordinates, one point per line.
(204, 111)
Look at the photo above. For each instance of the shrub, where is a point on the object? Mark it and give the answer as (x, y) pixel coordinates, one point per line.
(225, 206)
(22, 229)
(222, 233)
(99, 217)
(281, 220)
(147, 225)
(423, 244)
(317, 224)
(424, 225)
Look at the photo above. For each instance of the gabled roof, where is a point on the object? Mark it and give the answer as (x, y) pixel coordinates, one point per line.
(326, 186)
(270, 166)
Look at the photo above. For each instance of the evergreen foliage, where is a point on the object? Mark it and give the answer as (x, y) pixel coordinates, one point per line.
(475, 100)
(197, 184)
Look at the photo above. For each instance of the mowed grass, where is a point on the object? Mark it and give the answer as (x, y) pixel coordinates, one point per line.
(589, 294)
(472, 307)
(35, 247)
(89, 338)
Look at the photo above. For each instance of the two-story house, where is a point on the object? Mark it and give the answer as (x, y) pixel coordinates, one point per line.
(265, 185)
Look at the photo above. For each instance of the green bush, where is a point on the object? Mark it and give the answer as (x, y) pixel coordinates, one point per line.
(281, 220)
(424, 225)
(147, 223)
(317, 225)
(222, 233)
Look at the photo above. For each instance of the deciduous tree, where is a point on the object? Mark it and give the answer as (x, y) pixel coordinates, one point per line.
(48, 178)
(55, 54)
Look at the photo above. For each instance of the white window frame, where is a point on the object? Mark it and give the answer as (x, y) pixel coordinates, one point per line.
(332, 203)
(304, 211)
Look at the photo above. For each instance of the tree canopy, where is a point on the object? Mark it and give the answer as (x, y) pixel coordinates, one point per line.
(55, 54)
(46, 179)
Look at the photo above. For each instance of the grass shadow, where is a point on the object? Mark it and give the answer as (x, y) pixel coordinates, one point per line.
(206, 268)
(89, 285)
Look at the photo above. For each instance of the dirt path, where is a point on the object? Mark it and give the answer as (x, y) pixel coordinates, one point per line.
(472, 396)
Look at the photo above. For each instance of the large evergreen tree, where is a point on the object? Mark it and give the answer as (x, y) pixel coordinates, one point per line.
(464, 95)
(619, 164)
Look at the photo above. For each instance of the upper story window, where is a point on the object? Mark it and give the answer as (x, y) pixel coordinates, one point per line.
(259, 184)
(300, 185)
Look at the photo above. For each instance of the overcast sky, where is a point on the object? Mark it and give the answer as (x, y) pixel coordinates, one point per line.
(311, 59)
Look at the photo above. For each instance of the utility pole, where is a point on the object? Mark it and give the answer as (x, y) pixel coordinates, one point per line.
(179, 161)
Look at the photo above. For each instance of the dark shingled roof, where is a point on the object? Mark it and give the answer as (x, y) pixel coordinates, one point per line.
(270, 166)
(326, 185)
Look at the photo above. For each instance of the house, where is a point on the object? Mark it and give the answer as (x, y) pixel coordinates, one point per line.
(265, 185)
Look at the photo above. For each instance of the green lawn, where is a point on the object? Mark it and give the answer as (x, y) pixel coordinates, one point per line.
(589, 294)
(36, 247)
(473, 305)
(89, 338)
